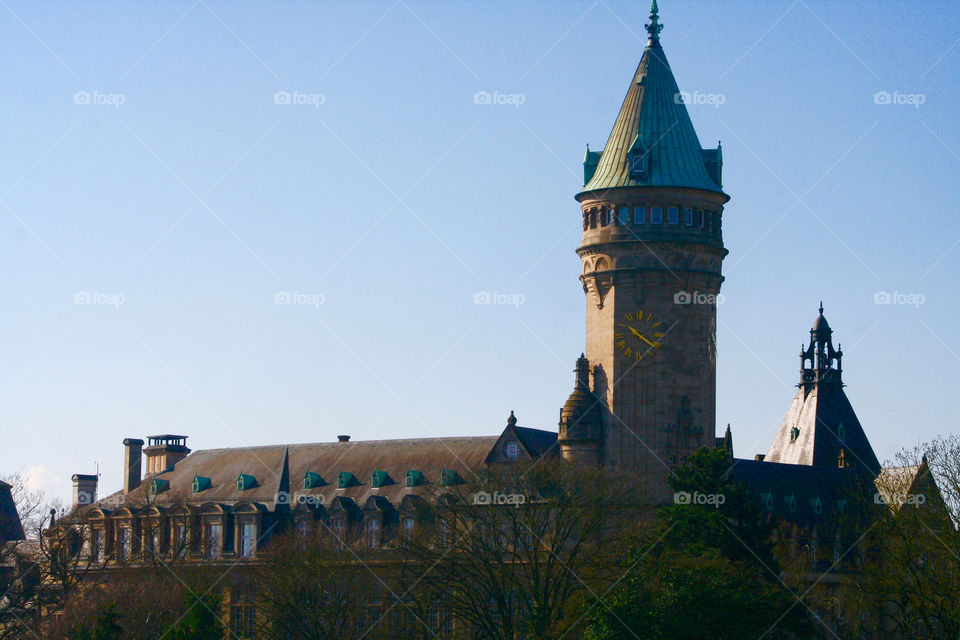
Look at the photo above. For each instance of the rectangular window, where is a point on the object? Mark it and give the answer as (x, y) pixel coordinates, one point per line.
(248, 539)
(639, 215)
(214, 540)
(688, 217)
(373, 534)
(123, 543)
(624, 216)
(97, 546)
(673, 215)
(155, 539)
(700, 218)
(180, 540)
(656, 215)
(243, 616)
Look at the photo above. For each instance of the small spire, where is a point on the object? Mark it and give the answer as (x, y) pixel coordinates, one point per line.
(654, 28)
(512, 420)
(821, 307)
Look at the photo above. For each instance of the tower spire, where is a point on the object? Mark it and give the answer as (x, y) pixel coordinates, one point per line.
(654, 28)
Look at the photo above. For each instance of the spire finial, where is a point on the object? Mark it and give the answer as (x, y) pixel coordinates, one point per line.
(654, 28)
(512, 420)
(821, 307)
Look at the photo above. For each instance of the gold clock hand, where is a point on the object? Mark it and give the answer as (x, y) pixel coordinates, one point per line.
(655, 345)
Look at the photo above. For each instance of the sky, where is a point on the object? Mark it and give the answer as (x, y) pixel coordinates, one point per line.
(256, 223)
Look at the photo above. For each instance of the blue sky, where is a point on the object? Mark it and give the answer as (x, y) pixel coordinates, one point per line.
(177, 194)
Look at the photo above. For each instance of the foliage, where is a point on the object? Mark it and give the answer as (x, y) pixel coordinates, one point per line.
(701, 571)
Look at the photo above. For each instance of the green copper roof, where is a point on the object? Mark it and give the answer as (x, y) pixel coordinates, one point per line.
(653, 124)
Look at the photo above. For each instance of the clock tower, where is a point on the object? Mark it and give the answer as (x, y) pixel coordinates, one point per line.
(651, 255)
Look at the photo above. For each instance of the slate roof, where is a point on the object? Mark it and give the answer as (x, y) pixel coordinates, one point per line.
(818, 412)
(653, 114)
(10, 526)
(835, 488)
(430, 456)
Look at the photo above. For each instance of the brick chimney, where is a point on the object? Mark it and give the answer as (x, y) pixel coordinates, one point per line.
(164, 451)
(84, 490)
(132, 455)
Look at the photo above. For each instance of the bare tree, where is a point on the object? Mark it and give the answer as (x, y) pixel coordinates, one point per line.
(910, 583)
(312, 584)
(507, 553)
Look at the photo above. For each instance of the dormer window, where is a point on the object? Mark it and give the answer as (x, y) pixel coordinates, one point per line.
(380, 478)
(346, 479)
(512, 450)
(415, 478)
(200, 483)
(638, 165)
(450, 477)
(794, 434)
(159, 485)
(312, 480)
(245, 481)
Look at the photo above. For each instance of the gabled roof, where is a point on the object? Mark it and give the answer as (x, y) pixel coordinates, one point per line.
(913, 485)
(653, 120)
(533, 443)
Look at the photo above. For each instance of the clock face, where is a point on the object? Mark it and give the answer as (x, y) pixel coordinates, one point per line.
(639, 335)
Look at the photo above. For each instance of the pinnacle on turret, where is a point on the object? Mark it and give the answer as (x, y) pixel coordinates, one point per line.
(654, 28)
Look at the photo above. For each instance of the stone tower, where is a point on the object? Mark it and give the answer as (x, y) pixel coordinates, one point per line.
(651, 251)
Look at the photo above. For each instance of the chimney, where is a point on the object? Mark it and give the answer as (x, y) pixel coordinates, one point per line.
(164, 451)
(84, 490)
(343, 438)
(132, 455)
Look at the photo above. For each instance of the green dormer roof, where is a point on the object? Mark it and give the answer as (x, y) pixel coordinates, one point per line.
(653, 122)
